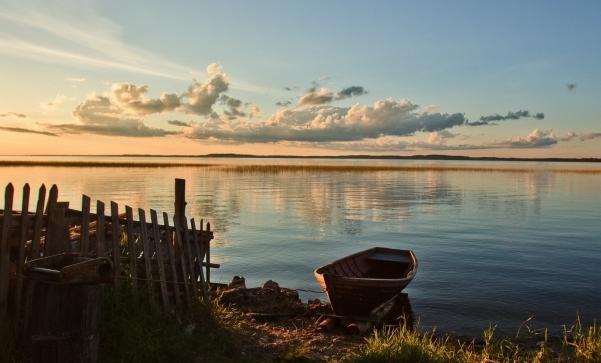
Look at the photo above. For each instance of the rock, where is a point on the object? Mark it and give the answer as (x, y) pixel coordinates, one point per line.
(237, 282)
(271, 285)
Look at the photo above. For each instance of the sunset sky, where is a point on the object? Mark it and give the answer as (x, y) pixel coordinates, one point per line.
(509, 78)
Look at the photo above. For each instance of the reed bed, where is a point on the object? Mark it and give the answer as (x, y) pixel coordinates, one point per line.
(284, 168)
(578, 344)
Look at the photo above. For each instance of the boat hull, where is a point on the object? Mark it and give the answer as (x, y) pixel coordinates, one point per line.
(352, 292)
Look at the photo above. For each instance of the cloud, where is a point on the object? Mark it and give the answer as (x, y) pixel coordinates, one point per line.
(352, 91)
(536, 139)
(234, 107)
(283, 103)
(571, 86)
(490, 119)
(200, 97)
(27, 131)
(132, 99)
(327, 124)
(582, 137)
(14, 114)
(58, 100)
(100, 115)
(75, 79)
(439, 137)
(315, 97)
(179, 123)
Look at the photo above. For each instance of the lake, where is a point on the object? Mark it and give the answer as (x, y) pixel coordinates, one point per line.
(497, 242)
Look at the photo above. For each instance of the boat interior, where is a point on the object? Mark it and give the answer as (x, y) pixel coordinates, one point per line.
(372, 264)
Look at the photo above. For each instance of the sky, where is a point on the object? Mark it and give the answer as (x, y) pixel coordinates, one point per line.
(479, 78)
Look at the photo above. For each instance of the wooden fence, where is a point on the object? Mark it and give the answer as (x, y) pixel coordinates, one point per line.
(168, 257)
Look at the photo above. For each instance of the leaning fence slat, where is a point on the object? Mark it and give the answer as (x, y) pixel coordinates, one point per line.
(208, 253)
(182, 256)
(156, 234)
(85, 226)
(4, 253)
(147, 253)
(197, 251)
(188, 246)
(50, 210)
(38, 223)
(171, 250)
(100, 244)
(21, 254)
(116, 242)
(131, 246)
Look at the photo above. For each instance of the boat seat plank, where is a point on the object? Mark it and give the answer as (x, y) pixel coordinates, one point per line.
(385, 257)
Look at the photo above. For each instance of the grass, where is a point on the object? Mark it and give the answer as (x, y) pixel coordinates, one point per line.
(578, 344)
(132, 330)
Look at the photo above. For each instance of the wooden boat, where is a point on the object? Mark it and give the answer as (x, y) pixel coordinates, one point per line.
(357, 283)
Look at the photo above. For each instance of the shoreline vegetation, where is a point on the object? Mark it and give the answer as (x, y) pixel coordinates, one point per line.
(359, 156)
(280, 168)
(134, 331)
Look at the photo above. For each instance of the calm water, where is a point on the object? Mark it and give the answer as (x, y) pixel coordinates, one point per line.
(494, 246)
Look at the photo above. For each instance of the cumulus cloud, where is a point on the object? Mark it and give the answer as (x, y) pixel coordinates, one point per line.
(14, 114)
(100, 115)
(201, 96)
(491, 119)
(316, 96)
(132, 99)
(234, 107)
(328, 123)
(179, 123)
(536, 139)
(439, 137)
(75, 79)
(27, 131)
(351, 91)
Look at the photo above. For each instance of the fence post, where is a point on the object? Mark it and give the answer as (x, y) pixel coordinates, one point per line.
(4, 253)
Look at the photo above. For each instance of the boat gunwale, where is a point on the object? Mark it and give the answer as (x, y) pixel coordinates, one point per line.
(409, 276)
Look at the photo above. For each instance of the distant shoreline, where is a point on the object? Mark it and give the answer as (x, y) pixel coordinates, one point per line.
(360, 157)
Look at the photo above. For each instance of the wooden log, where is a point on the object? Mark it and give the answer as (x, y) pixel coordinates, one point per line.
(116, 243)
(100, 243)
(38, 223)
(159, 253)
(190, 257)
(146, 252)
(196, 248)
(21, 254)
(182, 256)
(4, 254)
(171, 250)
(131, 246)
(84, 238)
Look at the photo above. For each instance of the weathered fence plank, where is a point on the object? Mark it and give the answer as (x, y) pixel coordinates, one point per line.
(171, 250)
(50, 211)
(84, 239)
(100, 244)
(116, 242)
(159, 253)
(38, 223)
(21, 254)
(208, 253)
(190, 256)
(182, 255)
(146, 252)
(131, 246)
(196, 247)
(4, 253)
